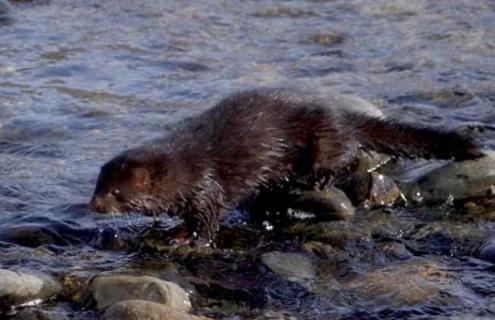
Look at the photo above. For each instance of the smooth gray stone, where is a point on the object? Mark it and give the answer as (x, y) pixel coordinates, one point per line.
(110, 289)
(25, 288)
(4, 6)
(294, 267)
(456, 181)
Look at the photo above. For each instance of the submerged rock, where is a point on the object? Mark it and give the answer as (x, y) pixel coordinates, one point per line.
(487, 249)
(395, 250)
(457, 180)
(25, 288)
(350, 103)
(338, 234)
(111, 289)
(328, 38)
(140, 309)
(276, 315)
(4, 7)
(35, 314)
(446, 237)
(403, 284)
(279, 11)
(294, 267)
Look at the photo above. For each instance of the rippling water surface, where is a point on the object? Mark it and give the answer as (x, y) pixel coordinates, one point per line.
(83, 80)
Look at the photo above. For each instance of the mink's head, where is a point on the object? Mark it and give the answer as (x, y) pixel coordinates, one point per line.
(126, 185)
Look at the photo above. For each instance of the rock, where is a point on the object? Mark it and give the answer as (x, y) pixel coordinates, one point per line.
(331, 204)
(328, 38)
(351, 103)
(279, 11)
(326, 251)
(445, 237)
(487, 249)
(34, 234)
(403, 284)
(337, 233)
(25, 287)
(4, 7)
(370, 160)
(34, 314)
(294, 267)
(31, 235)
(460, 180)
(74, 285)
(110, 289)
(357, 186)
(275, 315)
(395, 251)
(383, 190)
(140, 309)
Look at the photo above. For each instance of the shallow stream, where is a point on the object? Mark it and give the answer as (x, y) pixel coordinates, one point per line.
(82, 80)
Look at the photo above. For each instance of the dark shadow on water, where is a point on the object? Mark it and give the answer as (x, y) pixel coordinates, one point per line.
(6, 20)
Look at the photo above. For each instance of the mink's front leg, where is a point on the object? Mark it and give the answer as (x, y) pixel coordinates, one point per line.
(201, 215)
(202, 224)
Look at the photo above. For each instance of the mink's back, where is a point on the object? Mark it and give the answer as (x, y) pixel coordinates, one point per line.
(254, 137)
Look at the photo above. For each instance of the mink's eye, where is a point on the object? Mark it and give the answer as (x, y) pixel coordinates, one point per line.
(115, 192)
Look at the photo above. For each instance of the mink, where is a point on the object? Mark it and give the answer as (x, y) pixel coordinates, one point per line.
(254, 140)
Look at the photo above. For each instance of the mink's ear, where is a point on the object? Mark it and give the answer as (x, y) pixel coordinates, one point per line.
(141, 176)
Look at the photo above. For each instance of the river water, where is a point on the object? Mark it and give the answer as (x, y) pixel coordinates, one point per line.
(83, 80)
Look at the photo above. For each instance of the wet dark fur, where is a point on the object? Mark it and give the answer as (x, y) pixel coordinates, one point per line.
(254, 140)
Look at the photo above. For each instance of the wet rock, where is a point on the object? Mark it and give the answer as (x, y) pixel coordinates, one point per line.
(460, 180)
(403, 284)
(487, 249)
(338, 234)
(4, 6)
(276, 315)
(370, 160)
(444, 98)
(383, 190)
(357, 185)
(34, 314)
(43, 232)
(25, 287)
(363, 230)
(395, 251)
(279, 11)
(328, 38)
(140, 309)
(449, 238)
(325, 251)
(74, 285)
(331, 204)
(111, 289)
(31, 235)
(480, 210)
(237, 238)
(351, 103)
(473, 209)
(390, 10)
(294, 267)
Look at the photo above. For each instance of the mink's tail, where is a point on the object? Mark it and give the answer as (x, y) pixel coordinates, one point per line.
(405, 140)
